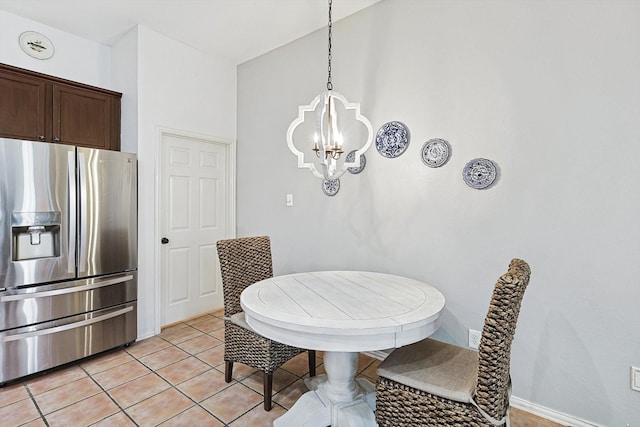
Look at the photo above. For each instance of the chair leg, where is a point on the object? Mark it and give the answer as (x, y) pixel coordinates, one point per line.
(267, 381)
(228, 371)
(312, 362)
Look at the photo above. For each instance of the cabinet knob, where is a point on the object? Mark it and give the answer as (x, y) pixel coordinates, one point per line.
(164, 241)
(56, 139)
(41, 137)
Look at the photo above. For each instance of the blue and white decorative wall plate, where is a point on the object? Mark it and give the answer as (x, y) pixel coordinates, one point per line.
(479, 173)
(392, 139)
(435, 152)
(330, 186)
(351, 157)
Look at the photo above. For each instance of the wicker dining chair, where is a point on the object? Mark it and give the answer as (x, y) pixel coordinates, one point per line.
(432, 383)
(245, 261)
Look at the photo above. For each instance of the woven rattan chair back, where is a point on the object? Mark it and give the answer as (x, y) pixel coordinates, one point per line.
(243, 262)
(494, 353)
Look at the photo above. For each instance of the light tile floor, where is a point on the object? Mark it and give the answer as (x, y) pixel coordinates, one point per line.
(173, 379)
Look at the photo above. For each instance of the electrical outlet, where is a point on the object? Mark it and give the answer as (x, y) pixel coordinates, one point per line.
(474, 338)
(289, 199)
(635, 378)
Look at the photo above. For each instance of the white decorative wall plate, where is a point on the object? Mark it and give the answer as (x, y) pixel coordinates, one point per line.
(479, 173)
(435, 152)
(331, 186)
(36, 45)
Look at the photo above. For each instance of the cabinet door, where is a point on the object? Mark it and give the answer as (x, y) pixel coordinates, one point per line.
(81, 117)
(23, 107)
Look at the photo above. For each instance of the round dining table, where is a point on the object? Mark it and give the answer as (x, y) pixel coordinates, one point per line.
(341, 313)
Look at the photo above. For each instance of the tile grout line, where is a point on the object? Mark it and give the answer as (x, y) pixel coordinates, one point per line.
(88, 375)
(174, 386)
(109, 396)
(35, 403)
(105, 391)
(239, 381)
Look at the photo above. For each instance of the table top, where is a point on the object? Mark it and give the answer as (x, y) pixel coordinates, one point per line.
(343, 310)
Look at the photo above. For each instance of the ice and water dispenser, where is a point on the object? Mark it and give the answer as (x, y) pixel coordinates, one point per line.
(35, 235)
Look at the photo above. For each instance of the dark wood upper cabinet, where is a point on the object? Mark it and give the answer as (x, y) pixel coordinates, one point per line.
(23, 107)
(38, 107)
(81, 117)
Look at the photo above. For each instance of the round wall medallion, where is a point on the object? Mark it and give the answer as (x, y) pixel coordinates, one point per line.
(36, 45)
(392, 139)
(330, 186)
(351, 157)
(435, 152)
(479, 173)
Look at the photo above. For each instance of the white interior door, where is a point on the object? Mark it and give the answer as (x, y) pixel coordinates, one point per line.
(194, 215)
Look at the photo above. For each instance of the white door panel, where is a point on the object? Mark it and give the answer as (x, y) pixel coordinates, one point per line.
(178, 275)
(194, 192)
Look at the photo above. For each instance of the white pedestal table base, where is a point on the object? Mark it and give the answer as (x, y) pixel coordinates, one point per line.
(337, 399)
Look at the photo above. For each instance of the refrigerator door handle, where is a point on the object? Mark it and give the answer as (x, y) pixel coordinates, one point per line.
(71, 226)
(72, 289)
(83, 229)
(66, 327)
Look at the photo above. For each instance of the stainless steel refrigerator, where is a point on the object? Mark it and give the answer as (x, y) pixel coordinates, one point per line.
(68, 254)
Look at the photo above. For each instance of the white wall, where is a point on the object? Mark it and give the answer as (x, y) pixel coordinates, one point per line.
(547, 89)
(178, 88)
(74, 58)
(124, 74)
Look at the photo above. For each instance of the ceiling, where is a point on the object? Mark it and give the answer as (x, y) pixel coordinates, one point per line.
(237, 29)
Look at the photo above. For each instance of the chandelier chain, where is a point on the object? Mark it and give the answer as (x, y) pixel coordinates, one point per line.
(329, 83)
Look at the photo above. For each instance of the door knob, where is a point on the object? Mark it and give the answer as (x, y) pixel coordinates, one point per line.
(164, 241)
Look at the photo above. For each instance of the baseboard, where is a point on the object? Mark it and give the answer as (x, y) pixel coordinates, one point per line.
(550, 414)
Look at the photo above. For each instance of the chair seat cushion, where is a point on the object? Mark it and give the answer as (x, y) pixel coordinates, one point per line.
(434, 367)
(238, 319)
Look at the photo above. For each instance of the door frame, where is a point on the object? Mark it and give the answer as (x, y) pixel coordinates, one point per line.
(230, 232)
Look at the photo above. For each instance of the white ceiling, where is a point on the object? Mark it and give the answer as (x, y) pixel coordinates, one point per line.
(237, 29)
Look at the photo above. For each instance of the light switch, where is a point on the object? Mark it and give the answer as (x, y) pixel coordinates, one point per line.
(289, 199)
(635, 378)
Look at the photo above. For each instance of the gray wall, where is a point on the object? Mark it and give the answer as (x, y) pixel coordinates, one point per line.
(550, 90)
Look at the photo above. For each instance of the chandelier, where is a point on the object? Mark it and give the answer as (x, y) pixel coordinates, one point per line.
(327, 128)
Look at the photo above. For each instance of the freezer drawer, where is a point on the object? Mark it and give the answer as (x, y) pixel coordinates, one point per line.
(27, 306)
(32, 349)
